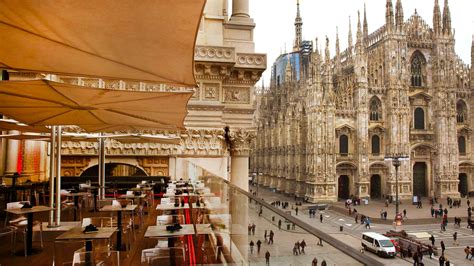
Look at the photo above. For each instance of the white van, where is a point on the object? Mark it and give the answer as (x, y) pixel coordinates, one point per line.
(379, 244)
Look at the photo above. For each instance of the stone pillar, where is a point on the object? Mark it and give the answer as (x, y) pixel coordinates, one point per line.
(240, 9)
(239, 153)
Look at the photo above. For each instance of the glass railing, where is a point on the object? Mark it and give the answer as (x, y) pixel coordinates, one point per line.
(247, 230)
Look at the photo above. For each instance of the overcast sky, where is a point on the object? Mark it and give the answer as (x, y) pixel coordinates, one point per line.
(275, 22)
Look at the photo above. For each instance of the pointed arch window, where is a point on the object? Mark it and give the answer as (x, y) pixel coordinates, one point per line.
(419, 118)
(462, 145)
(343, 145)
(375, 145)
(375, 109)
(461, 111)
(417, 70)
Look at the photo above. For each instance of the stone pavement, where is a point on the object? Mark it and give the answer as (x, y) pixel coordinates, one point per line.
(352, 232)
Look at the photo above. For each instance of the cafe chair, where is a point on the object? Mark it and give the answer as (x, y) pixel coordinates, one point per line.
(11, 231)
(109, 258)
(162, 256)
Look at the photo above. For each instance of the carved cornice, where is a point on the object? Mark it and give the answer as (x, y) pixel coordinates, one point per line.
(203, 142)
(214, 54)
(257, 61)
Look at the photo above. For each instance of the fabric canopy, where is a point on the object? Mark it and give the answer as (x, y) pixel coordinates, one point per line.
(149, 40)
(25, 136)
(10, 124)
(43, 102)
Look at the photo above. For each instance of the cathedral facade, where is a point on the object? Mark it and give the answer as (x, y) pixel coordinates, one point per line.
(328, 125)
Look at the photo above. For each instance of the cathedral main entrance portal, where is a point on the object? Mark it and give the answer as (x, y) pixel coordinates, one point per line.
(375, 187)
(419, 179)
(343, 187)
(462, 187)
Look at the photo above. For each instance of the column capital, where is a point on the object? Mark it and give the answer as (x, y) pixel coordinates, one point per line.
(240, 141)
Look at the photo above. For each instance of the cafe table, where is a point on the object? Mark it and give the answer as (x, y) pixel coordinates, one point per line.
(29, 229)
(77, 233)
(119, 210)
(171, 207)
(76, 196)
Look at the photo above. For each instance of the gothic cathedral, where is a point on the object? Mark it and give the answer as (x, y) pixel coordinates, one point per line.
(327, 124)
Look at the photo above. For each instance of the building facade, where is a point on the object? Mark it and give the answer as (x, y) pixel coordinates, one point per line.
(226, 69)
(328, 123)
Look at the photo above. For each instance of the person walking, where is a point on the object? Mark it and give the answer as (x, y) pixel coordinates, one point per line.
(259, 244)
(303, 245)
(443, 247)
(441, 260)
(253, 228)
(267, 257)
(323, 263)
(296, 210)
(467, 250)
(270, 240)
(265, 236)
(251, 246)
(432, 211)
(321, 217)
(404, 213)
(367, 223)
(430, 251)
(455, 239)
(356, 218)
(279, 224)
(314, 262)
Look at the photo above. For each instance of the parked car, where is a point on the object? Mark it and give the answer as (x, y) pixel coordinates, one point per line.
(379, 244)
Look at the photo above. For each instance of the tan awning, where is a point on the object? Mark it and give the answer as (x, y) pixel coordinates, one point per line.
(25, 136)
(46, 103)
(149, 40)
(10, 124)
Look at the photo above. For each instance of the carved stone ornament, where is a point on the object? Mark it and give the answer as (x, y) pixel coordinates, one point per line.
(241, 140)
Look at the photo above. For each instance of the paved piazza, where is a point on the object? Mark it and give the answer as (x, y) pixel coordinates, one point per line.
(352, 232)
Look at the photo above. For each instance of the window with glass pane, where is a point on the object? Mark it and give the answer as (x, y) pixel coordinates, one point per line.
(462, 145)
(343, 145)
(419, 118)
(375, 145)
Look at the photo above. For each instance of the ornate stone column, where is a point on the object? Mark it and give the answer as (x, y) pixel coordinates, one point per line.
(239, 153)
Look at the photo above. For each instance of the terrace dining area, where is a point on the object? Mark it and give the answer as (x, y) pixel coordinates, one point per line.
(181, 226)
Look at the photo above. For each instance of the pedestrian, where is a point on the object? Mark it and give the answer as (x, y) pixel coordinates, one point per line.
(441, 260)
(468, 203)
(447, 263)
(323, 263)
(279, 224)
(381, 214)
(253, 228)
(259, 244)
(404, 213)
(455, 239)
(303, 245)
(265, 236)
(267, 257)
(296, 210)
(356, 218)
(270, 240)
(430, 251)
(443, 247)
(415, 259)
(251, 246)
(298, 247)
(249, 228)
(467, 250)
(385, 215)
(367, 223)
(432, 211)
(321, 217)
(314, 262)
(472, 253)
(295, 250)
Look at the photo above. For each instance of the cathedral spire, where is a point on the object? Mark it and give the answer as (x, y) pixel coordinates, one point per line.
(349, 41)
(436, 18)
(359, 29)
(366, 26)
(338, 50)
(399, 16)
(298, 28)
(472, 57)
(446, 19)
(327, 53)
(389, 15)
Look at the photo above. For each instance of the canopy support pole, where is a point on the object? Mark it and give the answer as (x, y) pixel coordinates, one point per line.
(101, 168)
(58, 177)
(51, 176)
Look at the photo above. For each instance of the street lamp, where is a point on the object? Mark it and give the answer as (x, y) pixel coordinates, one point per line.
(396, 161)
